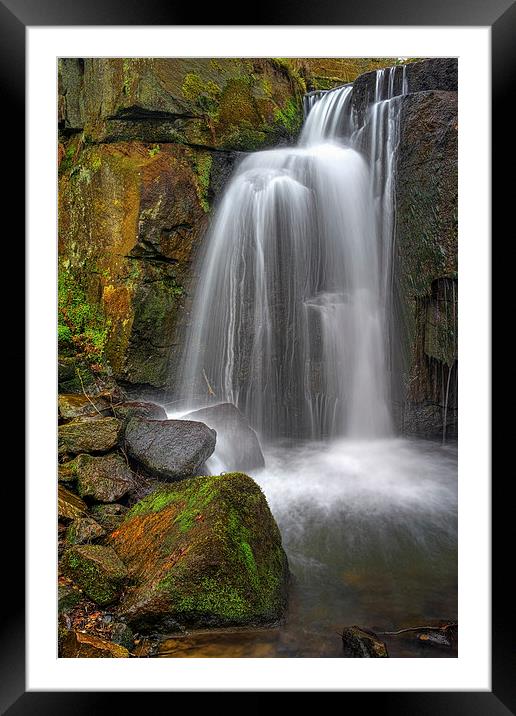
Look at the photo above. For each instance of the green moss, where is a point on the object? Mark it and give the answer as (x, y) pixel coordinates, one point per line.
(204, 93)
(202, 162)
(154, 150)
(81, 326)
(290, 116)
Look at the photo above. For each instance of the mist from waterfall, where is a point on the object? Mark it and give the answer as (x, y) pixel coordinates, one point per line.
(293, 311)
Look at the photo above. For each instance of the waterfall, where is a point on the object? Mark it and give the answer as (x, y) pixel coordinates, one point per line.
(292, 318)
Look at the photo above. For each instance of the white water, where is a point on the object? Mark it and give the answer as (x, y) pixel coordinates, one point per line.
(292, 314)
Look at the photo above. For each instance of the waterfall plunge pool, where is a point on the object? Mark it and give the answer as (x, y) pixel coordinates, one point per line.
(370, 530)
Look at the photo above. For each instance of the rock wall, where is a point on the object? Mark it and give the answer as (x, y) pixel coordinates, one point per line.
(427, 249)
(145, 148)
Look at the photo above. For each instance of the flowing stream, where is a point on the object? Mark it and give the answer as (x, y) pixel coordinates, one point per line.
(293, 322)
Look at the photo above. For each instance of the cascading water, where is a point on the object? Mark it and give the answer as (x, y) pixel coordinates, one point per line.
(291, 317)
(294, 321)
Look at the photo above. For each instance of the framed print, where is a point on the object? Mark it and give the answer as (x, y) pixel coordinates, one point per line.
(248, 421)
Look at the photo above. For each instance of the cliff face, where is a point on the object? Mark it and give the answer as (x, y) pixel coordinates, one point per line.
(147, 145)
(427, 250)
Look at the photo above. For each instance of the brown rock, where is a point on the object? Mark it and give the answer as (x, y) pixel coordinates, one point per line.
(106, 478)
(69, 506)
(77, 645)
(75, 406)
(88, 435)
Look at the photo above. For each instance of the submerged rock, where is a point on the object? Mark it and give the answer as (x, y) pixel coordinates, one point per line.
(77, 645)
(237, 443)
(69, 506)
(205, 551)
(97, 570)
(169, 449)
(88, 435)
(359, 643)
(84, 530)
(105, 479)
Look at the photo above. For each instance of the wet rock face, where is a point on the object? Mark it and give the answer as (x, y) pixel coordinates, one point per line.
(427, 246)
(237, 444)
(169, 449)
(69, 505)
(204, 551)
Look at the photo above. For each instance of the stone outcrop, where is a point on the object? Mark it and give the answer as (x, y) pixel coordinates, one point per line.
(88, 435)
(204, 551)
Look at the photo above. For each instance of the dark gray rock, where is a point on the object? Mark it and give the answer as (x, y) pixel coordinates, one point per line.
(237, 444)
(359, 643)
(169, 449)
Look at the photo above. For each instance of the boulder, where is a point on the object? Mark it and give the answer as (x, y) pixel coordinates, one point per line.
(139, 409)
(109, 516)
(77, 645)
(359, 643)
(106, 478)
(97, 570)
(204, 552)
(84, 530)
(69, 506)
(88, 435)
(72, 406)
(237, 446)
(169, 449)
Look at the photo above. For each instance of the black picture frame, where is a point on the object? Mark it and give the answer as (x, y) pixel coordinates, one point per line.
(500, 16)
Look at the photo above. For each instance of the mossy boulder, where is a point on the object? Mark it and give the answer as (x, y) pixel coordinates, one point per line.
(109, 516)
(106, 478)
(69, 505)
(85, 435)
(77, 645)
(205, 552)
(169, 449)
(74, 406)
(97, 570)
(139, 409)
(84, 530)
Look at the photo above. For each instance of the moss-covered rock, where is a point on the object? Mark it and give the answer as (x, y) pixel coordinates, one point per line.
(74, 406)
(139, 409)
(88, 435)
(97, 570)
(84, 530)
(109, 516)
(77, 645)
(69, 505)
(169, 449)
(205, 551)
(105, 479)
